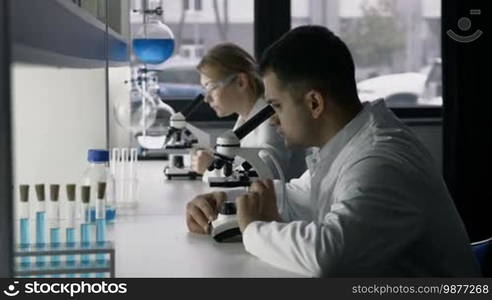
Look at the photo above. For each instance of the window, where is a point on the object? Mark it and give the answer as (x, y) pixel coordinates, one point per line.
(396, 45)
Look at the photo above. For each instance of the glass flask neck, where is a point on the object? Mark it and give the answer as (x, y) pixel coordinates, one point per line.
(98, 164)
(152, 18)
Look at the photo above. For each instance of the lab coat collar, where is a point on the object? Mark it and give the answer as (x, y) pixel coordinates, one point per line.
(259, 105)
(330, 150)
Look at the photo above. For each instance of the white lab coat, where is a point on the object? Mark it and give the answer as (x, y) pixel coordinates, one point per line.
(265, 136)
(372, 203)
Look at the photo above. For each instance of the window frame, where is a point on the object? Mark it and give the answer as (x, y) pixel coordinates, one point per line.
(6, 167)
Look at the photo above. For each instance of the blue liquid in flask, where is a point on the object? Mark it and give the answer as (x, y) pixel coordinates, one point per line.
(153, 51)
(24, 240)
(110, 214)
(40, 237)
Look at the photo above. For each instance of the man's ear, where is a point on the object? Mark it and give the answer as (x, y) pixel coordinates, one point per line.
(315, 103)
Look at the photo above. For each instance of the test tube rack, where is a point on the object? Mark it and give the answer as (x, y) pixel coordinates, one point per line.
(48, 250)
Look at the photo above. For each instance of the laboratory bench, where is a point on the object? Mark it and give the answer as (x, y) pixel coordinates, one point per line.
(153, 239)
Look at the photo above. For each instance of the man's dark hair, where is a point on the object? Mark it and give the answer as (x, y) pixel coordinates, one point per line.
(312, 57)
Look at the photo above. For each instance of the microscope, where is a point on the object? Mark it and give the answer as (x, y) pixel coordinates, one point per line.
(180, 139)
(228, 147)
(225, 228)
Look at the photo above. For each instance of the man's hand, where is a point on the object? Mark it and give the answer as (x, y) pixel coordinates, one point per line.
(200, 161)
(260, 204)
(202, 209)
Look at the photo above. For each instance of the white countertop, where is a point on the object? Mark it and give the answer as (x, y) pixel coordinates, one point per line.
(155, 242)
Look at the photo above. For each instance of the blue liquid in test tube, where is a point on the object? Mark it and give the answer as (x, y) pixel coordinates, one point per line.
(85, 239)
(100, 237)
(71, 243)
(24, 240)
(55, 242)
(40, 236)
(85, 226)
(70, 238)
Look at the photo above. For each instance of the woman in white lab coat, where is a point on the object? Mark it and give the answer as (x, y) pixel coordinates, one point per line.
(232, 84)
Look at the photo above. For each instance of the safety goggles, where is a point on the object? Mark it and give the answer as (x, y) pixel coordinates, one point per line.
(213, 85)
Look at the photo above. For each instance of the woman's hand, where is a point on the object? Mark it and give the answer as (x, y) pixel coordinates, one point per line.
(200, 160)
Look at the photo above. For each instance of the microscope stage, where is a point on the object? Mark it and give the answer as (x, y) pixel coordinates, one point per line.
(229, 182)
(183, 173)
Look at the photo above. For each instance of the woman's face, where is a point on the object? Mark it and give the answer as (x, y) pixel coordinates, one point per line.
(221, 92)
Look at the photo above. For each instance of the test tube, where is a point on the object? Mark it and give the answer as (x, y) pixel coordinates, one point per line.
(100, 221)
(24, 212)
(112, 196)
(40, 222)
(70, 230)
(85, 230)
(133, 178)
(54, 221)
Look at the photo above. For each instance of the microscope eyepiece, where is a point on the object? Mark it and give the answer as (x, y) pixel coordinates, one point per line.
(193, 105)
(254, 122)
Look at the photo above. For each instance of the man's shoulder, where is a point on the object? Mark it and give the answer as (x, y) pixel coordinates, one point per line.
(387, 138)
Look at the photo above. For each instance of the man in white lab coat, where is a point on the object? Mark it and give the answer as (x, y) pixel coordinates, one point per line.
(372, 203)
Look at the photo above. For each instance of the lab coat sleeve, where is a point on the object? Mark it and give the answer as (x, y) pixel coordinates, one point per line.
(295, 206)
(373, 218)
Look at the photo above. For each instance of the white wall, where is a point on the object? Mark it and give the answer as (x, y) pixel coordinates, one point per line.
(58, 113)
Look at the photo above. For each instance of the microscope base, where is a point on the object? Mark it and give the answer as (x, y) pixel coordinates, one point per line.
(182, 173)
(226, 229)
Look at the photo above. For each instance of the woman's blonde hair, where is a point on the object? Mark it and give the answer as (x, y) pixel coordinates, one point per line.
(229, 58)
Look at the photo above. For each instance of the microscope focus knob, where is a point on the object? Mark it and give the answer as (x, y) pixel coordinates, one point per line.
(218, 164)
(228, 208)
(228, 169)
(246, 166)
